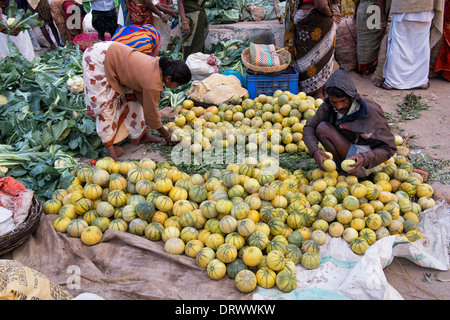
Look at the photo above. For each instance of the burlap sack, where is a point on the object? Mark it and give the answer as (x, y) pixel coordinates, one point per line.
(18, 282)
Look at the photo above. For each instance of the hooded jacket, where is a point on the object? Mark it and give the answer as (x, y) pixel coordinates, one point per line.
(367, 126)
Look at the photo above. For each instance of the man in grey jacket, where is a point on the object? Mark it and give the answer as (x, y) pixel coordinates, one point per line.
(349, 127)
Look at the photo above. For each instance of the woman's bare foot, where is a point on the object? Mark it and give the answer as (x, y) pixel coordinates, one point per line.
(148, 138)
(118, 150)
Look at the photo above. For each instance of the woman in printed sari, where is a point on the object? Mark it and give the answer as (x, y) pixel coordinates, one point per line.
(65, 10)
(122, 89)
(315, 23)
(145, 39)
(369, 39)
(443, 60)
(194, 25)
(141, 12)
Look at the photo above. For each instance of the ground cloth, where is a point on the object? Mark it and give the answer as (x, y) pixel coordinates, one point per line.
(125, 266)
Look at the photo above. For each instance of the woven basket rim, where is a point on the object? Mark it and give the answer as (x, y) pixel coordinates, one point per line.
(284, 55)
(20, 234)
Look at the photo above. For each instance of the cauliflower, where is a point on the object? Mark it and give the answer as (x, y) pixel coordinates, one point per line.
(61, 163)
(3, 169)
(75, 84)
(3, 99)
(10, 21)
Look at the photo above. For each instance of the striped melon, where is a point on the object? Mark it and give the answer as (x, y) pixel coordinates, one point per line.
(144, 187)
(310, 246)
(188, 219)
(154, 231)
(118, 224)
(197, 193)
(293, 253)
(228, 224)
(359, 245)
(226, 253)
(235, 239)
(68, 211)
(310, 260)
(245, 281)
(214, 241)
(204, 256)
(216, 269)
(129, 213)
(90, 216)
(145, 210)
(181, 206)
(266, 277)
(230, 179)
(193, 247)
(137, 226)
(163, 203)
(60, 224)
(240, 210)
(92, 191)
(117, 182)
(245, 227)
(117, 198)
(189, 233)
(252, 256)
(234, 267)
(76, 227)
(286, 281)
(275, 260)
(258, 239)
(91, 235)
(174, 246)
(83, 205)
(171, 232)
(102, 223)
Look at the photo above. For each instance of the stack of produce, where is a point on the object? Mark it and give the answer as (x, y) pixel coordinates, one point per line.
(254, 222)
(269, 123)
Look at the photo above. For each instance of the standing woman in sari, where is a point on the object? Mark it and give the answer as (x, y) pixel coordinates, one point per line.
(443, 60)
(369, 39)
(141, 12)
(194, 25)
(315, 24)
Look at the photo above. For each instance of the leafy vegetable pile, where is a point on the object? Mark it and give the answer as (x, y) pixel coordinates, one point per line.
(43, 125)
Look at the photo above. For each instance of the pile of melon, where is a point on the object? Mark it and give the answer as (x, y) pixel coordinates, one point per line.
(268, 123)
(254, 222)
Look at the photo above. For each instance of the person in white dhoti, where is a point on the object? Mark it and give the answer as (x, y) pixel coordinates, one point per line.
(407, 62)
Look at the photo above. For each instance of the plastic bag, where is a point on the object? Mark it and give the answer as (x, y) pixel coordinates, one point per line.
(202, 65)
(16, 197)
(216, 89)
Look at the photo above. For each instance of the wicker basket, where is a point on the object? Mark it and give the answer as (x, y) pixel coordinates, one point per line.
(19, 235)
(283, 54)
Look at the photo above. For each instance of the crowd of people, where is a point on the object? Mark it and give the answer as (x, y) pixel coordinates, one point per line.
(346, 124)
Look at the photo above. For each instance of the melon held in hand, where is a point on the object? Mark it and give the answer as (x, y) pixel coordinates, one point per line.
(345, 165)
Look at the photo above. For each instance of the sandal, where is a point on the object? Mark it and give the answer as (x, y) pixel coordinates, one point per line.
(425, 87)
(386, 87)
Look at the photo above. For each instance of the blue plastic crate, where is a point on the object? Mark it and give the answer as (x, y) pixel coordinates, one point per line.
(268, 84)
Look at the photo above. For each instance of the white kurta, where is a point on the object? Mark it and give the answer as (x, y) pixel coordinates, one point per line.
(408, 53)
